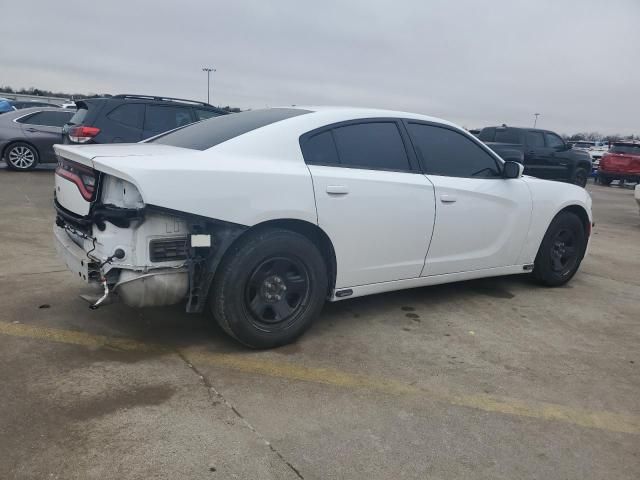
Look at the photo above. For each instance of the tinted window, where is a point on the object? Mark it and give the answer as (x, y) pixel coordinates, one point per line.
(48, 119)
(160, 119)
(553, 140)
(628, 149)
(508, 135)
(216, 130)
(202, 114)
(371, 145)
(535, 139)
(446, 152)
(320, 149)
(130, 114)
(487, 134)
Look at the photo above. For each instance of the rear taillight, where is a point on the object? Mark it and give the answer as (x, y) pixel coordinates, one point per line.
(83, 177)
(82, 133)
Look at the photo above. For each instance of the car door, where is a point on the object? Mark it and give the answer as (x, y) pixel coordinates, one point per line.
(557, 157)
(43, 130)
(536, 155)
(482, 219)
(371, 199)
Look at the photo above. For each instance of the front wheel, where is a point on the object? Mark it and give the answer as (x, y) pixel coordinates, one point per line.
(21, 156)
(561, 250)
(269, 288)
(580, 177)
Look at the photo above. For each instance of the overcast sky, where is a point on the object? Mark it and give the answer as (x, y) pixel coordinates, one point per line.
(474, 62)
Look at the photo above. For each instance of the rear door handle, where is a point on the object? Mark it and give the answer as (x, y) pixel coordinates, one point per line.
(448, 198)
(337, 189)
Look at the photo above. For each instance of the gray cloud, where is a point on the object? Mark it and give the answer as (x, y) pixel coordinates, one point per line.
(472, 62)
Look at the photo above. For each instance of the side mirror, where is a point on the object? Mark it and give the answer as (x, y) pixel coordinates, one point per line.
(512, 169)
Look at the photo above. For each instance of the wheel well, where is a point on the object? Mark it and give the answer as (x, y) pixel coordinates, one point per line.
(313, 233)
(581, 213)
(12, 142)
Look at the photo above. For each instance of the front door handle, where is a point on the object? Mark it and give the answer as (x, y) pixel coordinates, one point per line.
(31, 130)
(448, 198)
(337, 189)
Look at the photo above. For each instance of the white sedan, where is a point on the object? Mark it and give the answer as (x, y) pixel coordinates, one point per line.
(264, 215)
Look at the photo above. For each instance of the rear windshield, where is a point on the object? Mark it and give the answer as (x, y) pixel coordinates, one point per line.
(80, 114)
(628, 149)
(211, 132)
(508, 135)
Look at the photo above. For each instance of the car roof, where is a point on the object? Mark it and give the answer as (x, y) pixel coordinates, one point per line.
(354, 113)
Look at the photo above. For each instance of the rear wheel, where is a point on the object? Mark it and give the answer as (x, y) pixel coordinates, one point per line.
(21, 156)
(580, 177)
(269, 288)
(561, 250)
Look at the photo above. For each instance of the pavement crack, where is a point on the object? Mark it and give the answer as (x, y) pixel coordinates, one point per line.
(217, 397)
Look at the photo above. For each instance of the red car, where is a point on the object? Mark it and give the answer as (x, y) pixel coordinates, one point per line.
(621, 162)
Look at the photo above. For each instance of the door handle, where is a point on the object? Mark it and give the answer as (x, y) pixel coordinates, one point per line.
(31, 130)
(448, 198)
(337, 189)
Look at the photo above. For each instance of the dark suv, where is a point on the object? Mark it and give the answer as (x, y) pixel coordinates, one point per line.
(544, 153)
(132, 118)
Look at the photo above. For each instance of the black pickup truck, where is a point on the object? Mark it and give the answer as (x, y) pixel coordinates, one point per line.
(543, 153)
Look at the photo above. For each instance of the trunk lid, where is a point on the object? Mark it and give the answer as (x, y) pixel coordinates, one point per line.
(79, 169)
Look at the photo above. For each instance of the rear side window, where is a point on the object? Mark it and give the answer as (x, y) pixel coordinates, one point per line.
(374, 145)
(216, 130)
(508, 135)
(129, 114)
(48, 119)
(161, 118)
(535, 139)
(202, 114)
(321, 149)
(447, 152)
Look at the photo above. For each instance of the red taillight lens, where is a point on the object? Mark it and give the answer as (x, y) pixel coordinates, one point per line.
(83, 177)
(82, 134)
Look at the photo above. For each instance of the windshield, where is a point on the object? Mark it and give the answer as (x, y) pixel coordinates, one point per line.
(208, 133)
(628, 149)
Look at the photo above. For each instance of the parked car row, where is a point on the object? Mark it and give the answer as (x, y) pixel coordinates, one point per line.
(27, 136)
(543, 153)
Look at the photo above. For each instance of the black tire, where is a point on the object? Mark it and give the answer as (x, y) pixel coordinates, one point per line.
(604, 180)
(21, 156)
(580, 177)
(561, 250)
(248, 299)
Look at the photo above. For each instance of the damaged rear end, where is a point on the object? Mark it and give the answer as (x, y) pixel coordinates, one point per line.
(144, 254)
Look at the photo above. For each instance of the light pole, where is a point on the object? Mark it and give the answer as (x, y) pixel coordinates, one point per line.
(536, 120)
(208, 70)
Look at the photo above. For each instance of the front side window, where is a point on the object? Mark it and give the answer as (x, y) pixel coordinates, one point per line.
(373, 145)
(47, 119)
(130, 114)
(160, 118)
(447, 152)
(553, 140)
